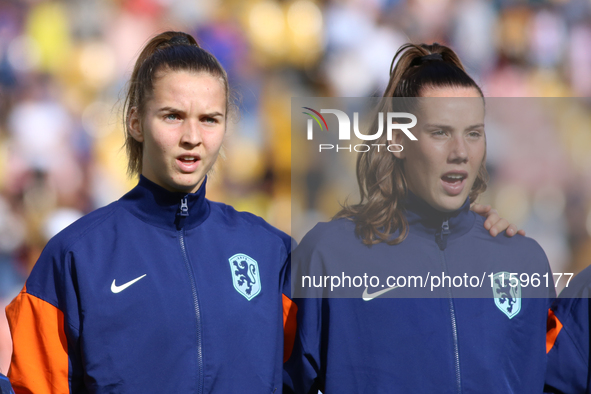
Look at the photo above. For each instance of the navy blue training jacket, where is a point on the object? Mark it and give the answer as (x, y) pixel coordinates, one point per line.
(569, 337)
(158, 292)
(5, 387)
(420, 345)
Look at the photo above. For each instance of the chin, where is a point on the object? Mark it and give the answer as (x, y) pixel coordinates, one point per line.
(187, 182)
(450, 204)
(183, 187)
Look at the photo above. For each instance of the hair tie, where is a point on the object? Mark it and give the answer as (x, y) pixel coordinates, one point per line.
(417, 61)
(179, 40)
(431, 56)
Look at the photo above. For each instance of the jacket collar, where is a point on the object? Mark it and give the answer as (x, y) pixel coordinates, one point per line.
(157, 206)
(427, 221)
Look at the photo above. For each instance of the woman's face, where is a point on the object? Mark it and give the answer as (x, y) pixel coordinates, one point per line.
(182, 129)
(443, 163)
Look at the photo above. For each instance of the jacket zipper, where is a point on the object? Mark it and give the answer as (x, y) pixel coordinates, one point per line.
(184, 212)
(442, 242)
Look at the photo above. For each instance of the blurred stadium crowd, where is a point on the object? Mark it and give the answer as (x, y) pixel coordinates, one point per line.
(64, 65)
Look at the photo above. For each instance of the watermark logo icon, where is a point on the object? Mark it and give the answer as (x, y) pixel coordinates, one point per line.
(394, 121)
(315, 117)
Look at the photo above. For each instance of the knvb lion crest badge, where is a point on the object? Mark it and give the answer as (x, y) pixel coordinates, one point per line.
(507, 293)
(245, 275)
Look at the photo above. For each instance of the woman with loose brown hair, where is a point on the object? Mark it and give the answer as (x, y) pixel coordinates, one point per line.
(456, 325)
(381, 179)
(162, 291)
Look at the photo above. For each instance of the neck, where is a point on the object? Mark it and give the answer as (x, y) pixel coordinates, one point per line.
(427, 221)
(155, 205)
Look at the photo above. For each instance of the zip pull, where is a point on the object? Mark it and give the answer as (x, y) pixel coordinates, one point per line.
(445, 227)
(441, 238)
(184, 207)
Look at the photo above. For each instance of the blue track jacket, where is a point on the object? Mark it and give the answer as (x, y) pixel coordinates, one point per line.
(5, 387)
(568, 338)
(158, 292)
(420, 345)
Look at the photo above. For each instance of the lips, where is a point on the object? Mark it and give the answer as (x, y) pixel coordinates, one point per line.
(454, 182)
(188, 163)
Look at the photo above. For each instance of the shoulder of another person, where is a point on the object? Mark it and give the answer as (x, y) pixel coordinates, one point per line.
(579, 286)
(502, 238)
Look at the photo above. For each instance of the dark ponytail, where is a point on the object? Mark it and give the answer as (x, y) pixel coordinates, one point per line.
(425, 66)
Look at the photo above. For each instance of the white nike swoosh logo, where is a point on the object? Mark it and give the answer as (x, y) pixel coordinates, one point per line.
(118, 289)
(368, 297)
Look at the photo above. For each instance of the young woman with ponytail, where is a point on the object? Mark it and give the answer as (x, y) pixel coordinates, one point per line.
(162, 291)
(414, 217)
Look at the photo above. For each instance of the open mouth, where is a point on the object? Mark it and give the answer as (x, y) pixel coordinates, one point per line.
(187, 159)
(454, 181)
(453, 178)
(188, 164)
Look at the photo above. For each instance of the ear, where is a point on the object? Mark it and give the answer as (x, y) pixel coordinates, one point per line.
(397, 138)
(135, 125)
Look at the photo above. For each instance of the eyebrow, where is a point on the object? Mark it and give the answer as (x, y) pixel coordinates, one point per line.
(214, 114)
(447, 127)
(169, 109)
(172, 109)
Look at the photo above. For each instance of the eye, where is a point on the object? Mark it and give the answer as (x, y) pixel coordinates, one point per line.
(172, 116)
(475, 134)
(210, 120)
(438, 133)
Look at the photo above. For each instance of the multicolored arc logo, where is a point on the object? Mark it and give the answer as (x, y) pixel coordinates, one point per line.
(315, 118)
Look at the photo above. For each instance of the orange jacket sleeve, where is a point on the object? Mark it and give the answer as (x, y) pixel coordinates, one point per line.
(39, 361)
(290, 310)
(553, 328)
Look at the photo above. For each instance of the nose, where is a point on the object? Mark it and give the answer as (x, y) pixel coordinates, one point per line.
(458, 150)
(191, 134)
